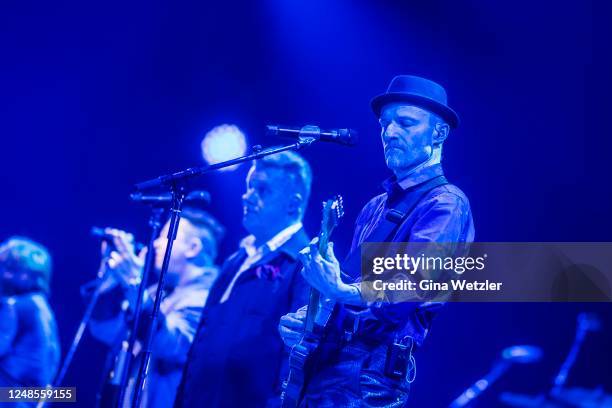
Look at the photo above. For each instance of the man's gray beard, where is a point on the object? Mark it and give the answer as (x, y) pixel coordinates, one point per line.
(395, 162)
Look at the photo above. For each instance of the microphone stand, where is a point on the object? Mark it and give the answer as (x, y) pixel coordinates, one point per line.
(583, 327)
(511, 355)
(155, 224)
(98, 285)
(175, 182)
(469, 395)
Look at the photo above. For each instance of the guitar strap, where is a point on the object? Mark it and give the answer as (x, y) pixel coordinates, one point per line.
(390, 222)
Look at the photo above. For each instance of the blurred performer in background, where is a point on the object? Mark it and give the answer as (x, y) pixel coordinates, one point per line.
(191, 273)
(29, 345)
(366, 358)
(236, 358)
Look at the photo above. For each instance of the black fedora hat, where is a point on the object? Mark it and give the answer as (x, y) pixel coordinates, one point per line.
(420, 92)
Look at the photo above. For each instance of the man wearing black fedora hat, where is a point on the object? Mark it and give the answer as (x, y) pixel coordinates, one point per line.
(366, 356)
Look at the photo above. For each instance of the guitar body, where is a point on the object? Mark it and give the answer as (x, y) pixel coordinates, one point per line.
(317, 316)
(299, 361)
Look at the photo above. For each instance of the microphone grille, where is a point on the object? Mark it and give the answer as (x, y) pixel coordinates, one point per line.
(272, 130)
(348, 137)
(200, 196)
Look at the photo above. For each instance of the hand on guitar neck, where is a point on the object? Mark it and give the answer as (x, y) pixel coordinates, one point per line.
(303, 331)
(323, 274)
(321, 270)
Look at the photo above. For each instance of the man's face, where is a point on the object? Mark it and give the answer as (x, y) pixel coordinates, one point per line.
(267, 202)
(407, 135)
(182, 249)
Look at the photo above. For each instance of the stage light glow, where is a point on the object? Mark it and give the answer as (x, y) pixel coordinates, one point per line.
(223, 142)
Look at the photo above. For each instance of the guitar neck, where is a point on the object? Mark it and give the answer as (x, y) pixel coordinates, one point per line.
(315, 295)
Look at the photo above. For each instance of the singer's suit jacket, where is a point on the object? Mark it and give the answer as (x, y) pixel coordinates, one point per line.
(237, 358)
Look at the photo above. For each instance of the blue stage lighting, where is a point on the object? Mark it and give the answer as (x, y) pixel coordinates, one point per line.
(223, 142)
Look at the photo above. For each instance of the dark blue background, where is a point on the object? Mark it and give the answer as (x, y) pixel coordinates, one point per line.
(99, 95)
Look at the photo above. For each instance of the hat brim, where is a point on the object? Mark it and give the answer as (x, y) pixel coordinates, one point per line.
(446, 113)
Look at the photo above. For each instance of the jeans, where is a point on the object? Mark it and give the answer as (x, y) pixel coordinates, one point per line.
(354, 376)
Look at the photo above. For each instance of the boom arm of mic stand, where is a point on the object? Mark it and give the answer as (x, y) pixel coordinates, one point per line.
(169, 180)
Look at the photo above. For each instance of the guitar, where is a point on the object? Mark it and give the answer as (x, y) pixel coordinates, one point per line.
(318, 314)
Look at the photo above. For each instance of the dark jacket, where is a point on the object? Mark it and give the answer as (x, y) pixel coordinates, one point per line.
(237, 355)
(29, 344)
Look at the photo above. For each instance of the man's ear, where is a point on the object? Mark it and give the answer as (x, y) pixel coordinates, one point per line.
(440, 133)
(195, 248)
(295, 204)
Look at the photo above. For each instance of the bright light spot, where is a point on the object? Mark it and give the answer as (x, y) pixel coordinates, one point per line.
(223, 142)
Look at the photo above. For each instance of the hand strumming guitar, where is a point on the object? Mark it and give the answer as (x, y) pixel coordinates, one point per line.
(291, 326)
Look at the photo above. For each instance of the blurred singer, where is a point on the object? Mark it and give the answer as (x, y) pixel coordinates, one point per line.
(29, 345)
(191, 273)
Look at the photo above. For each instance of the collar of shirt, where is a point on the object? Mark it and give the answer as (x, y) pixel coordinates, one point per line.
(248, 243)
(394, 187)
(255, 254)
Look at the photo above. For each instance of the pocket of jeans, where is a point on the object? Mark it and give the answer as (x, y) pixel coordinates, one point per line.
(378, 389)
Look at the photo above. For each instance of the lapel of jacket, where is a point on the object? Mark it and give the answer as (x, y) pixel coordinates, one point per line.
(228, 270)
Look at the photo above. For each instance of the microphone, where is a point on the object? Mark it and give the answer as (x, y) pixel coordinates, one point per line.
(199, 197)
(100, 234)
(347, 137)
(589, 322)
(523, 354)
